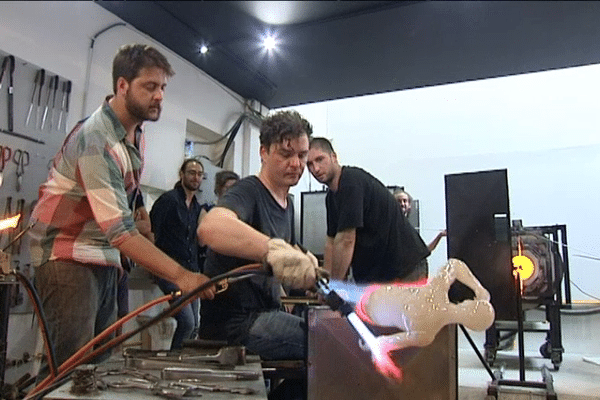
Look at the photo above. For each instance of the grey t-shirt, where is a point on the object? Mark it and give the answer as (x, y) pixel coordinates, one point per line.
(236, 308)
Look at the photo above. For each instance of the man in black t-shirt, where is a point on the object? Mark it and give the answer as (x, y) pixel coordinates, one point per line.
(366, 229)
(253, 222)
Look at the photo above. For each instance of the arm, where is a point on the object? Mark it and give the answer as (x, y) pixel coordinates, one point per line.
(328, 256)
(342, 252)
(203, 213)
(142, 223)
(225, 233)
(436, 240)
(143, 252)
(103, 183)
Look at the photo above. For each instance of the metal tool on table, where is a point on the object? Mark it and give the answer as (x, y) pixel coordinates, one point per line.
(226, 356)
(155, 388)
(5, 155)
(182, 387)
(51, 82)
(176, 373)
(21, 158)
(39, 80)
(194, 385)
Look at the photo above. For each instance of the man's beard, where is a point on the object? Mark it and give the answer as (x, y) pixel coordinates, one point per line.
(187, 186)
(139, 111)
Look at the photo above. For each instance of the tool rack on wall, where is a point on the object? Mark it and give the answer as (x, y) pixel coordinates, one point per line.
(34, 111)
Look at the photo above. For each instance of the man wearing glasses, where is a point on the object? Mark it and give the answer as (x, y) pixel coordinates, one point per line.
(174, 218)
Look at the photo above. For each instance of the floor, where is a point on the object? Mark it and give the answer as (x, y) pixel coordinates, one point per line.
(578, 376)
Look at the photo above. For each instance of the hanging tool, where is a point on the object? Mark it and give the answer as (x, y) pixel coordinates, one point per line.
(39, 98)
(21, 158)
(55, 86)
(62, 105)
(67, 104)
(38, 78)
(50, 90)
(5, 155)
(3, 68)
(9, 63)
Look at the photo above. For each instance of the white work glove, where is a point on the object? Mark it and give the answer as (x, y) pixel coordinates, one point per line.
(293, 267)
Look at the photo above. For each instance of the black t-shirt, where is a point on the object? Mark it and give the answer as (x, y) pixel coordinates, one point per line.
(387, 247)
(236, 308)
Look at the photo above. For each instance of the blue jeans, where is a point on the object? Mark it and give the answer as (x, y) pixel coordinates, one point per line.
(188, 319)
(277, 335)
(79, 301)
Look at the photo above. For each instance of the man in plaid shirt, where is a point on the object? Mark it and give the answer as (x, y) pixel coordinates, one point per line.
(84, 218)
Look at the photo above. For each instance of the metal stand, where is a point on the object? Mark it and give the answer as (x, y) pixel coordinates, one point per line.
(551, 299)
(547, 384)
(6, 285)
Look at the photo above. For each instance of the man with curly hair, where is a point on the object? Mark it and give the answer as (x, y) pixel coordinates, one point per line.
(253, 222)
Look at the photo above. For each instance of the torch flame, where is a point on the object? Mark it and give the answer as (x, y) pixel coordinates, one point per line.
(385, 364)
(11, 222)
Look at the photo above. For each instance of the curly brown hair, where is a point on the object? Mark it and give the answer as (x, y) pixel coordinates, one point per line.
(283, 125)
(131, 58)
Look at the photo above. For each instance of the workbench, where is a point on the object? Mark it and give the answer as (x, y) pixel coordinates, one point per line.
(252, 366)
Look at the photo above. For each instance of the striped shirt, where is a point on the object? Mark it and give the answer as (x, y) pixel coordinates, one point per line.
(83, 210)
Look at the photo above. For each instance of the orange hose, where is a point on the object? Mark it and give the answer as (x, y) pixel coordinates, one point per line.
(71, 362)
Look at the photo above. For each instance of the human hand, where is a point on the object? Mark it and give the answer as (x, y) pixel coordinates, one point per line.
(191, 280)
(322, 273)
(293, 267)
(143, 224)
(145, 228)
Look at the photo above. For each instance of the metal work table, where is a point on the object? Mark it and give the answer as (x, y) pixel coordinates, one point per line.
(253, 365)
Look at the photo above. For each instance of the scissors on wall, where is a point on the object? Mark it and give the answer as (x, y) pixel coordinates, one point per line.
(21, 158)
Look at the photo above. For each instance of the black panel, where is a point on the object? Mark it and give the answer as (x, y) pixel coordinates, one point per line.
(477, 220)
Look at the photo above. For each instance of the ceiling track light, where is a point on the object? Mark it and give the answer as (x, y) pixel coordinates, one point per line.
(203, 49)
(269, 42)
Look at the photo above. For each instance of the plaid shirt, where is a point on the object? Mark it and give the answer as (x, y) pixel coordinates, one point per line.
(84, 208)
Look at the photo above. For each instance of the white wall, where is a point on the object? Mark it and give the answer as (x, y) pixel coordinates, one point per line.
(57, 36)
(542, 127)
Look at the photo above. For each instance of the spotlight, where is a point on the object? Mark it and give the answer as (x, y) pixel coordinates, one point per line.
(203, 49)
(269, 42)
